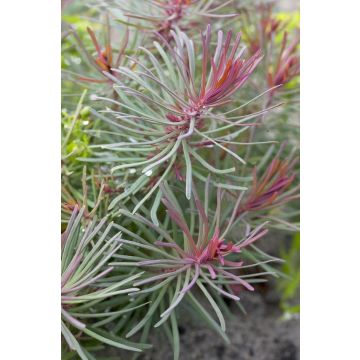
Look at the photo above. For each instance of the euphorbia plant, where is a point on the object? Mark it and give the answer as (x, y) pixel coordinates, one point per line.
(174, 111)
(184, 188)
(87, 248)
(202, 252)
(162, 16)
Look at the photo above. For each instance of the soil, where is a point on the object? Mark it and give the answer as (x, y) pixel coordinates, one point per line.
(261, 334)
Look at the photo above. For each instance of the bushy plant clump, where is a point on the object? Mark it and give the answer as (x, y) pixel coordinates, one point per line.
(179, 154)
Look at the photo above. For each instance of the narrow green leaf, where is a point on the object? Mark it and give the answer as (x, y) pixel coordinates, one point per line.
(188, 169)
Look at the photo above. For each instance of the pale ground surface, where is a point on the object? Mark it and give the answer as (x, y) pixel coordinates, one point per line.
(260, 335)
(288, 5)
